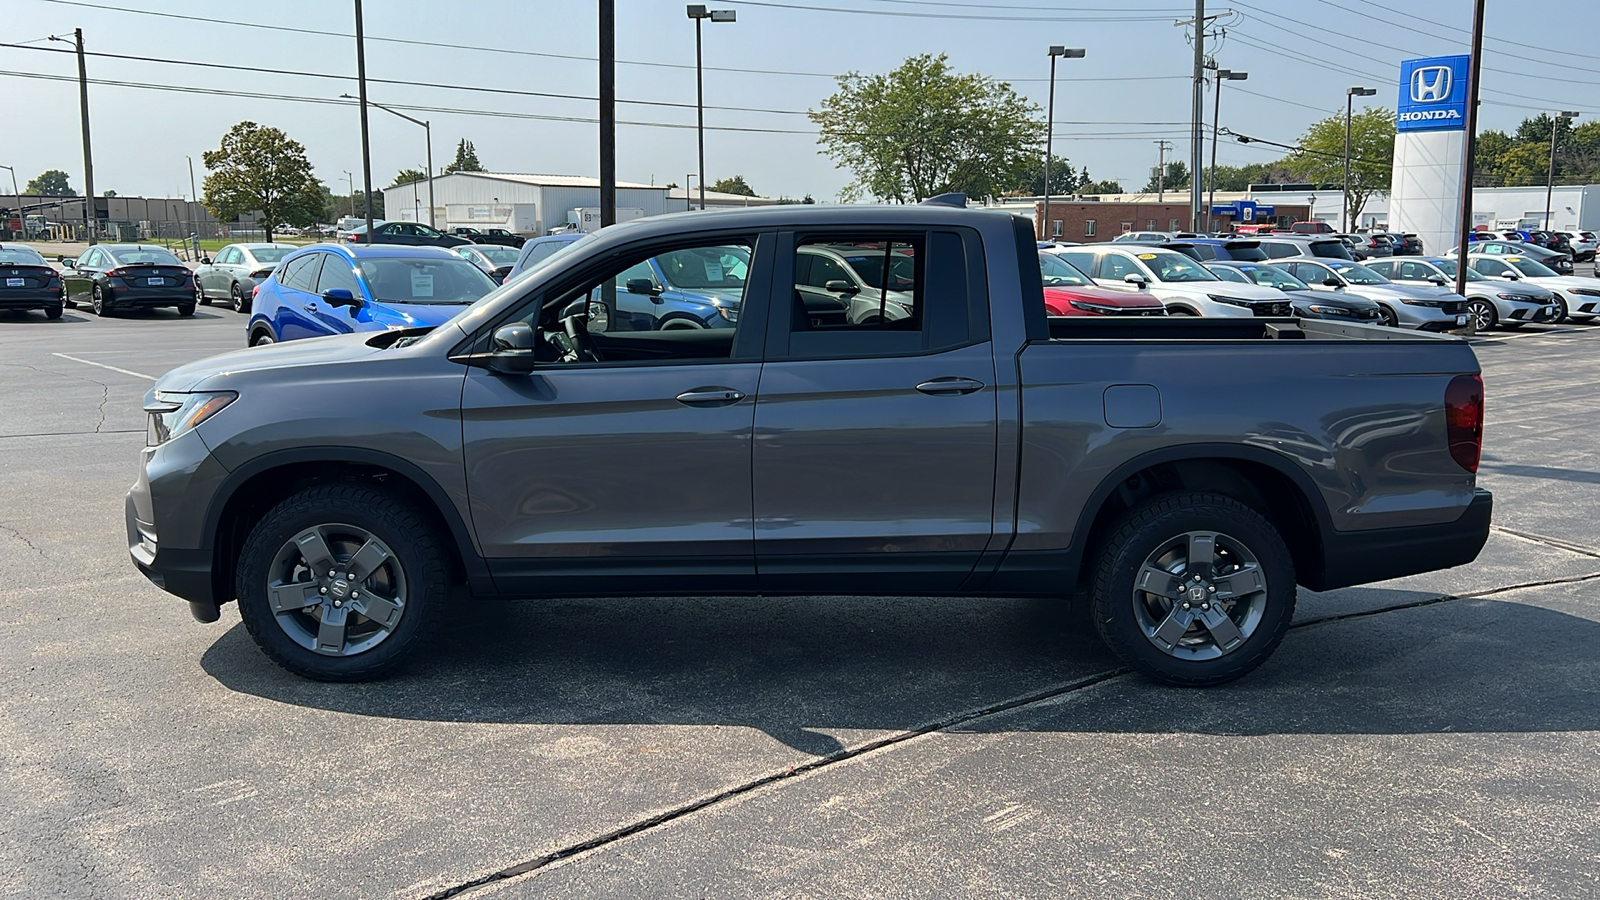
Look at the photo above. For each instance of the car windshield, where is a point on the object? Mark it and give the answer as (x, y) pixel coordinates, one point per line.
(134, 256)
(1170, 266)
(1057, 272)
(500, 256)
(1448, 267)
(1274, 277)
(1230, 274)
(436, 282)
(1357, 274)
(705, 267)
(1530, 268)
(271, 254)
(20, 256)
(870, 268)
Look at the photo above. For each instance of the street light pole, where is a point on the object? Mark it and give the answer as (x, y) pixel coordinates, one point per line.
(427, 131)
(1550, 180)
(351, 180)
(699, 13)
(1344, 207)
(366, 147)
(687, 203)
(88, 157)
(1216, 125)
(1161, 170)
(1056, 50)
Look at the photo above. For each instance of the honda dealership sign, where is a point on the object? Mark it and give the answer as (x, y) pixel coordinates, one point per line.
(1433, 94)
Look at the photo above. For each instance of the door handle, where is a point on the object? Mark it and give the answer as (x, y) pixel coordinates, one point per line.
(950, 385)
(710, 396)
(310, 307)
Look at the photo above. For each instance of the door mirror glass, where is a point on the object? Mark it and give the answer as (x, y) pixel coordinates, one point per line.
(840, 286)
(514, 338)
(1332, 282)
(341, 297)
(68, 262)
(643, 286)
(1134, 278)
(205, 260)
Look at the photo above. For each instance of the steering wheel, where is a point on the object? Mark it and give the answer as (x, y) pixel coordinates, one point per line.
(583, 346)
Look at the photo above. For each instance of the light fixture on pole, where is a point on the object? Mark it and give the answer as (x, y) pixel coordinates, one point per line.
(699, 14)
(1349, 98)
(1056, 50)
(427, 131)
(1550, 180)
(1216, 125)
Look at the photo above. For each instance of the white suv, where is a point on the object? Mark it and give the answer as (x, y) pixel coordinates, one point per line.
(1183, 285)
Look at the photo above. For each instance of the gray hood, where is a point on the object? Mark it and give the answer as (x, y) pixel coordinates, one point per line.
(213, 373)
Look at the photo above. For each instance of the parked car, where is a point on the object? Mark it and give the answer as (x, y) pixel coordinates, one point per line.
(1406, 244)
(1341, 307)
(339, 289)
(1549, 240)
(1069, 292)
(1576, 298)
(1402, 306)
(408, 234)
(235, 271)
(1208, 249)
(1583, 244)
(1561, 263)
(538, 251)
(1290, 246)
(1143, 237)
(1183, 285)
(1492, 303)
(1311, 228)
(28, 282)
(1185, 475)
(111, 277)
(489, 236)
(494, 259)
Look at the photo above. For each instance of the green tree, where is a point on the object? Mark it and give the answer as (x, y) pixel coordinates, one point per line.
(336, 206)
(108, 193)
(466, 159)
(734, 185)
(261, 169)
(1488, 157)
(922, 130)
(1239, 178)
(1087, 184)
(1177, 179)
(50, 183)
(1063, 180)
(1321, 157)
(406, 176)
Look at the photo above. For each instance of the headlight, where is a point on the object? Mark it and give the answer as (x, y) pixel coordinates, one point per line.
(1329, 310)
(1587, 292)
(1522, 298)
(172, 414)
(1231, 301)
(730, 313)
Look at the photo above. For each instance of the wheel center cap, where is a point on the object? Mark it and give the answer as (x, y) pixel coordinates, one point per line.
(339, 590)
(1197, 593)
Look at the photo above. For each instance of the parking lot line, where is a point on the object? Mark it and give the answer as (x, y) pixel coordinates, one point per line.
(104, 366)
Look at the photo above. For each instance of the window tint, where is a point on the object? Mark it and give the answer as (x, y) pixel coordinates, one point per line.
(866, 300)
(227, 257)
(301, 273)
(426, 281)
(1082, 260)
(638, 270)
(20, 256)
(1055, 272)
(1280, 251)
(425, 231)
(1205, 252)
(336, 274)
(271, 254)
(1230, 274)
(821, 269)
(1490, 266)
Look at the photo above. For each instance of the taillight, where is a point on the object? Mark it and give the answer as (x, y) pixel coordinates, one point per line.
(118, 273)
(1463, 419)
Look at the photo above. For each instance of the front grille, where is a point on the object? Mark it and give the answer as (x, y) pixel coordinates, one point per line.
(1271, 310)
(1452, 307)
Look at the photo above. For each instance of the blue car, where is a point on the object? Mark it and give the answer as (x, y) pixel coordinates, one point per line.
(342, 288)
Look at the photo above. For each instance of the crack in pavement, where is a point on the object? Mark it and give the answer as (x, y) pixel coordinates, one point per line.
(23, 538)
(1557, 543)
(626, 831)
(105, 389)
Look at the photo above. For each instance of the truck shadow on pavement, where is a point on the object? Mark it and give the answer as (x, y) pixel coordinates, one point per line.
(799, 668)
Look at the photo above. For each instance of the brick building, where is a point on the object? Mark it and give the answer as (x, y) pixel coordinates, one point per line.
(1088, 222)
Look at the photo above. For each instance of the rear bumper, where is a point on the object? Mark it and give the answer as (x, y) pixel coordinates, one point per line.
(1361, 557)
(41, 298)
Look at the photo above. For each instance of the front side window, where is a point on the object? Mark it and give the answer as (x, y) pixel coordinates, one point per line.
(1356, 273)
(1116, 267)
(1311, 273)
(1170, 266)
(426, 281)
(1275, 277)
(1058, 273)
(227, 257)
(1230, 274)
(1531, 268)
(336, 274)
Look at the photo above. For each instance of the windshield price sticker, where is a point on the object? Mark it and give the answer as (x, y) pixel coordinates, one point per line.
(1147, 256)
(421, 284)
(713, 270)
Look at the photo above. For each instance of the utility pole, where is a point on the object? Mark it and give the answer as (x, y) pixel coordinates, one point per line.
(1049, 132)
(351, 180)
(608, 112)
(366, 149)
(1550, 180)
(1161, 170)
(1471, 148)
(88, 157)
(1197, 136)
(194, 197)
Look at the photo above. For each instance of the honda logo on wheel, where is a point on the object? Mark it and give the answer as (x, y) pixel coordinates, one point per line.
(1430, 84)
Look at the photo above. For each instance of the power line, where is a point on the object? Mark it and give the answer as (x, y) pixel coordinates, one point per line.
(1117, 17)
(1499, 40)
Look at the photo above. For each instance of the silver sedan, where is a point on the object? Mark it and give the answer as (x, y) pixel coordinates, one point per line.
(1492, 302)
(233, 274)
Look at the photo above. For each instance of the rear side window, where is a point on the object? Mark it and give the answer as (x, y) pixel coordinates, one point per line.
(1204, 252)
(1275, 250)
(1330, 250)
(301, 274)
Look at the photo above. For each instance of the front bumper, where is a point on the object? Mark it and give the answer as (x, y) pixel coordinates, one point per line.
(1361, 557)
(164, 514)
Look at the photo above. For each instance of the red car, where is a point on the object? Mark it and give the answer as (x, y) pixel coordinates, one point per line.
(1069, 292)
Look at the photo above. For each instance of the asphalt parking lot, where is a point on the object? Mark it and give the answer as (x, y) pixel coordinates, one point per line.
(1432, 736)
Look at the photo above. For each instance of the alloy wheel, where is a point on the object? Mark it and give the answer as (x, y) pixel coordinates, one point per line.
(1199, 595)
(336, 590)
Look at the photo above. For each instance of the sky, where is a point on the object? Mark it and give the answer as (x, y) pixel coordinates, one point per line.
(763, 72)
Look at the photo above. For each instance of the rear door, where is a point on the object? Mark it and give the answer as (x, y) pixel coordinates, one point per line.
(874, 457)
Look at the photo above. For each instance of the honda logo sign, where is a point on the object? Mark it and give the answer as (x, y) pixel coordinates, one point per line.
(1430, 85)
(1433, 94)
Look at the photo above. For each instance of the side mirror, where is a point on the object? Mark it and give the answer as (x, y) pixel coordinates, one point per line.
(514, 338)
(1509, 276)
(1332, 282)
(840, 286)
(1135, 279)
(510, 351)
(643, 286)
(341, 297)
(68, 262)
(1437, 279)
(205, 260)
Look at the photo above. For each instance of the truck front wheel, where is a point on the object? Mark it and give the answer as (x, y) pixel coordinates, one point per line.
(339, 582)
(1193, 589)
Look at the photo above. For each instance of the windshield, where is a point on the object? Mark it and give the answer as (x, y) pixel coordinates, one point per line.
(706, 267)
(1229, 274)
(435, 282)
(271, 254)
(1170, 266)
(903, 269)
(1057, 272)
(1448, 267)
(500, 256)
(1357, 274)
(1274, 277)
(1531, 268)
(20, 256)
(149, 256)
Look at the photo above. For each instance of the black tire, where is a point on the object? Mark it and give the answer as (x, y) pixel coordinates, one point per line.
(1121, 612)
(52, 312)
(1182, 311)
(1484, 316)
(185, 309)
(416, 549)
(200, 297)
(100, 305)
(262, 338)
(1389, 318)
(236, 296)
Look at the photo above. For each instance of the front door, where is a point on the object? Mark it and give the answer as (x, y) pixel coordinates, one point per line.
(624, 454)
(297, 287)
(874, 455)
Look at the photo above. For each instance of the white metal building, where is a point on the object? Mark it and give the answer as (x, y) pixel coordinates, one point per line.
(679, 200)
(531, 204)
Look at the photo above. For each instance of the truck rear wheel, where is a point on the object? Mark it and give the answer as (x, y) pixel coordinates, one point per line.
(1193, 589)
(340, 582)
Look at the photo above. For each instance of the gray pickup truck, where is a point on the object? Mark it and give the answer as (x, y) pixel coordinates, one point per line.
(1185, 474)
